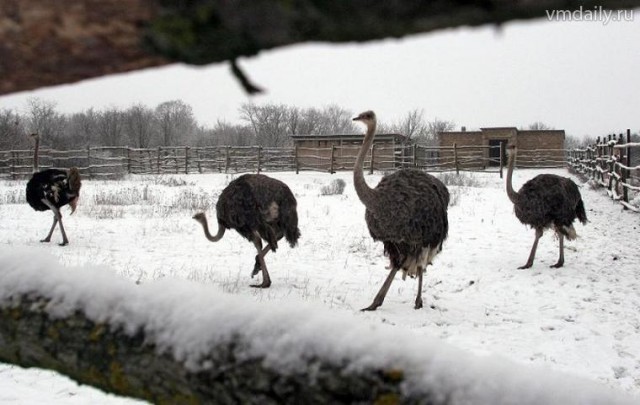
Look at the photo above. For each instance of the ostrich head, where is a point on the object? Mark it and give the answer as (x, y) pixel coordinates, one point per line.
(368, 118)
(200, 217)
(35, 136)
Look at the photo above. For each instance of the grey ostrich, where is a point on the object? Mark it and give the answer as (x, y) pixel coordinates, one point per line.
(407, 211)
(51, 189)
(546, 201)
(257, 207)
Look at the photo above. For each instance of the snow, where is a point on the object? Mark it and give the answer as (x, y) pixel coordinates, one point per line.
(582, 319)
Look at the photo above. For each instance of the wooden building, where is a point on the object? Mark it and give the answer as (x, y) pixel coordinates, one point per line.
(338, 152)
(536, 148)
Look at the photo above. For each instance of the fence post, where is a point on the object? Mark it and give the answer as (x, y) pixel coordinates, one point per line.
(89, 161)
(628, 149)
(501, 154)
(333, 150)
(259, 154)
(455, 157)
(227, 160)
(295, 158)
(373, 145)
(128, 160)
(415, 155)
(13, 165)
(624, 161)
(186, 160)
(158, 162)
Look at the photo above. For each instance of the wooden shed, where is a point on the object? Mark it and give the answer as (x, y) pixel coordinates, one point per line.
(338, 152)
(536, 148)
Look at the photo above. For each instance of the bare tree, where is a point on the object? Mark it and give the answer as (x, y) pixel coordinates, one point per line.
(268, 123)
(574, 142)
(434, 128)
(139, 123)
(413, 125)
(539, 126)
(337, 120)
(43, 119)
(175, 122)
(110, 126)
(82, 128)
(224, 133)
(12, 134)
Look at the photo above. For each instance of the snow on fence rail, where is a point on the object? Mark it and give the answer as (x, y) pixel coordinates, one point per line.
(115, 161)
(608, 163)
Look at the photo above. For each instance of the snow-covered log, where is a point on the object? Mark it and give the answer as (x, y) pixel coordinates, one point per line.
(171, 341)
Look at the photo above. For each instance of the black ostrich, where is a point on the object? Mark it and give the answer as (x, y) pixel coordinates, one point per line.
(546, 201)
(407, 211)
(52, 189)
(257, 207)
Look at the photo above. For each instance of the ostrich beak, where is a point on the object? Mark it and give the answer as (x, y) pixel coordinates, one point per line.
(358, 118)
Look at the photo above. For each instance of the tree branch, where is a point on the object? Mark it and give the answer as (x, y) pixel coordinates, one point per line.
(44, 43)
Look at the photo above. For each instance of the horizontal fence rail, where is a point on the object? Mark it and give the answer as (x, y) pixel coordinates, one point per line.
(612, 163)
(116, 161)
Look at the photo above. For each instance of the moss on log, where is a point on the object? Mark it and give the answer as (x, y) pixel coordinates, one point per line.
(104, 356)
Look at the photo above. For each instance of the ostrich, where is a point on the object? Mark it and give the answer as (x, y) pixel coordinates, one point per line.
(257, 207)
(407, 211)
(52, 189)
(546, 201)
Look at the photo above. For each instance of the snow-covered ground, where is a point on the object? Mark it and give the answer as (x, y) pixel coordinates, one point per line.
(582, 319)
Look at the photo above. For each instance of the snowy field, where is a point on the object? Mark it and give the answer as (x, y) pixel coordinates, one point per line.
(582, 319)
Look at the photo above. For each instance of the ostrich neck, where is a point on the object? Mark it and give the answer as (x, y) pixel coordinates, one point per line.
(205, 226)
(365, 193)
(513, 195)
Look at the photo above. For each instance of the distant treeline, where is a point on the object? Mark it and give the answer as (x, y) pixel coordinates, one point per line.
(172, 123)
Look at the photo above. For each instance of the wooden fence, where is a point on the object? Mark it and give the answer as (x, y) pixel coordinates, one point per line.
(115, 161)
(608, 163)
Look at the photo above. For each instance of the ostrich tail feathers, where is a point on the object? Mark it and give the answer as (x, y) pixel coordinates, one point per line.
(568, 231)
(292, 235)
(580, 212)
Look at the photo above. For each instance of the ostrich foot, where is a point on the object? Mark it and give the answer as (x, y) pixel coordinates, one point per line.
(371, 307)
(418, 303)
(264, 284)
(526, 266)
(557, 265)
(64, 243)
(45, 240)
(256, 268)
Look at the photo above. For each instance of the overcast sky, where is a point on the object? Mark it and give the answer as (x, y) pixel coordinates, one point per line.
(583, 77)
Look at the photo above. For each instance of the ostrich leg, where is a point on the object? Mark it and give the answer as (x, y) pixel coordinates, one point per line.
(379, 298)
(561, 258)
(65, 241)
(532, 254)
(57, 217)
(266, 280)
(263, 252)
(419, 297)
(53, 226)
